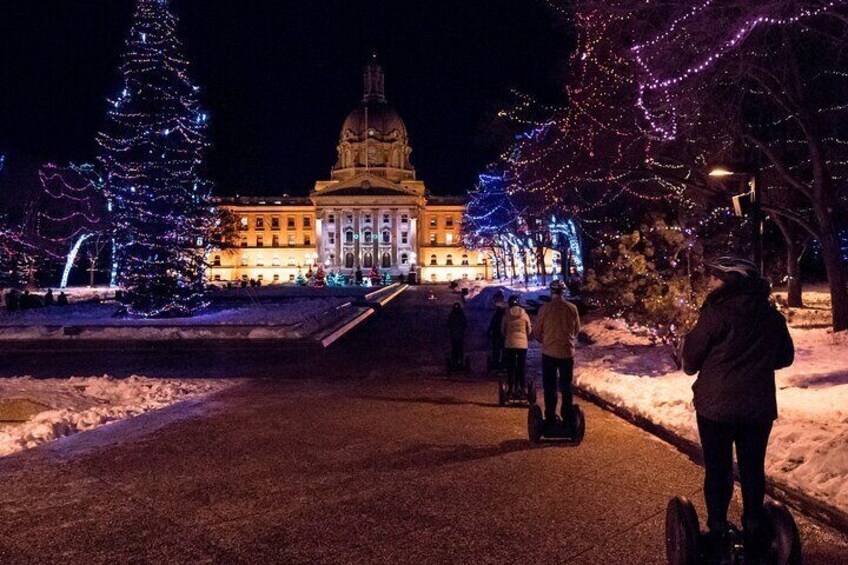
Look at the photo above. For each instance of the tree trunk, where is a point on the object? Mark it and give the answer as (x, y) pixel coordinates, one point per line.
(540, 260)
(832, 256)
(794, 289)
(91, 267)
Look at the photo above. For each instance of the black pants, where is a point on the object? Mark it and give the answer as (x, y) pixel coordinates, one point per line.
(498, 351)
(457, 351)
(515, 359)
(717, 440)
(564, 369)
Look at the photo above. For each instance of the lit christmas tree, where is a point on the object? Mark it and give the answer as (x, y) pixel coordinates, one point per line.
(320, 277)
(152, 153)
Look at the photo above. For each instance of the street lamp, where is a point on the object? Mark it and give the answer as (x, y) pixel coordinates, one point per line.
(747, 203)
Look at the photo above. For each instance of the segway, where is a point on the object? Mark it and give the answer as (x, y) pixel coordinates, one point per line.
(525, 395)
(684, 542)
(558, 431)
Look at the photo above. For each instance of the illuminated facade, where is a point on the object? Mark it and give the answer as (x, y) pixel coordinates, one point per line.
(372, 212)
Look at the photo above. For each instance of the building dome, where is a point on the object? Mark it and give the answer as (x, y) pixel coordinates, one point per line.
(374, 138)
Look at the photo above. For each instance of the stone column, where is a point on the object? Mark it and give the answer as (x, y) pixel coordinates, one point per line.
(339, 234)
(356, 236)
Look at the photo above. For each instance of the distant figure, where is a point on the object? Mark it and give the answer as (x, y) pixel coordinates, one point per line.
(26, 301)
(495, 333)
(48, 298)
(516, 329)
(13, 301)
(63, 299)
(740, 340)
(457, 324)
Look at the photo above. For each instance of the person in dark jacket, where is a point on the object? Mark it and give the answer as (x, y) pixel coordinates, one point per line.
(739, 341)
(494, 333)
(457, 324)
(48, 298)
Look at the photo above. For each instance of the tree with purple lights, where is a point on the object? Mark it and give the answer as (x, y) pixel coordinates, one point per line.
(152, 154)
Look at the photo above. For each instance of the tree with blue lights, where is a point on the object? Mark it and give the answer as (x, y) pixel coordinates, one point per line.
(152, 153)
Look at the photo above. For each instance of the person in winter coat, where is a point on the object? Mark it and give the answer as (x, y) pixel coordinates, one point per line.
(457, 324)
(495, 333)
(739, 341)
(556, 329)
(516, 329)
(48, 298)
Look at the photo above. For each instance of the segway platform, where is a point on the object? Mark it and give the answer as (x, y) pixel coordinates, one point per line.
(684, 541)
(524, 396)
(559, 431)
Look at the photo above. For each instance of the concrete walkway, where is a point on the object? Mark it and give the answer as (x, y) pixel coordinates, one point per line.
(366, 453)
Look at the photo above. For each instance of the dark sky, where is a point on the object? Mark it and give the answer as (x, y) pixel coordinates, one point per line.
(279, 77)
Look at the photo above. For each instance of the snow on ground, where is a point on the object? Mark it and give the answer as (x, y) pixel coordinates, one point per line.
(809, 443)
(81, 404)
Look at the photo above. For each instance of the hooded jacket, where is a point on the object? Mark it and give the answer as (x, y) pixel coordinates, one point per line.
(516, 328)
(736, 346)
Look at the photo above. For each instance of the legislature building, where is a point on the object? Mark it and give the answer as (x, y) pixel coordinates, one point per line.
(372, 212)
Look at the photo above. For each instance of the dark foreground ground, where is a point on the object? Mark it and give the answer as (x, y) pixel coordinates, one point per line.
(364, 453)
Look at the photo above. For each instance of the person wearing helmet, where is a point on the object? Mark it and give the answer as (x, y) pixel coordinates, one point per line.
(494, 333)
(556, 329)
(457, 324)
(739, 341)
(516, 329)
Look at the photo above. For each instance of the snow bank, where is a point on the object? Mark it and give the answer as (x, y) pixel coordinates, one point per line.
(809, 444)
(81, 404)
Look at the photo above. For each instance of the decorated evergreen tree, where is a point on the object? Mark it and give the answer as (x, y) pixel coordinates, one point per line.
(300, 280)
(374, 276)
(152, 154)
(387, 278)
(320, 277)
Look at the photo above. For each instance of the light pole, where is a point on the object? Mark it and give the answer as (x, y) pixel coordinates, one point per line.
(748, 202)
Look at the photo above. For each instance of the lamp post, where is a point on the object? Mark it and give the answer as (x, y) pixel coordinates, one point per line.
(751, 201)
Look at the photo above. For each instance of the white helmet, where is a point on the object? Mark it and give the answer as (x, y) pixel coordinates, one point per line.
(727, 265)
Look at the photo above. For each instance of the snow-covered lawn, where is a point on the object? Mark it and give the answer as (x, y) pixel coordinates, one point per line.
(81, 404)
(809, 444)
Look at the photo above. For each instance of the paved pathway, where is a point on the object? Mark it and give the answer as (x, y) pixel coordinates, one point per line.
(366, 453)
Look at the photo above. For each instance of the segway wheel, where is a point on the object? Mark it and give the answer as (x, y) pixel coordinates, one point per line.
(682, 532)
(535, 423)
(579, 424)
(531, 392)
(501, 394)
(786, 545)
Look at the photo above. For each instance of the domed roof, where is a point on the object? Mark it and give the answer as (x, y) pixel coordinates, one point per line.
(375, 117)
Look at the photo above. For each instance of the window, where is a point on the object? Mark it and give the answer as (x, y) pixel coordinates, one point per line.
(275, 222)
(387, 260)
(244, 242)
(434, 260)
(433, 239)
(348, 236)
(276, 278)
(291, 262)
(368, 238)
(260, 241)
(275, 241)
(349, 261)
(307, 240)
(292, 240)
(433, 277)
(307, 222)
(244, 278)
(216, 261)
(260, 223)
(331, 259)
(244, 259)
(465, 276)
(331, 219)
(260, 278)
(433, 223)
(404, 259)
(404, 218)
(260, 261)
(368, 261)
(217, 278)
(404, 238)
(291, 278)
(275, 262)
(243, 223)
(449, 222)
(290, 222)
(367, 219)
(465, 260)
(449, 260)
(331, 238)
(387, 237)
(449, 238)
(386, 219)
(348, 219)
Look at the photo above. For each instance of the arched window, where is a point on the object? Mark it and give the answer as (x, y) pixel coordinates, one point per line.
(465, 259)
(216, 261)
(368, 261)
(433, 260)
(449, 260)
(387, 260)
(387, 236)
(349, 261)
(349, 236)
(404, 259)
(368, 237)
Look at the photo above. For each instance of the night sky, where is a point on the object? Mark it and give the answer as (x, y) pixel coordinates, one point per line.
(279, 77)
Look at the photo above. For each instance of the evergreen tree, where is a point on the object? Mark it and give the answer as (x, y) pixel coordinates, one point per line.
(152, 153)
(320, 277)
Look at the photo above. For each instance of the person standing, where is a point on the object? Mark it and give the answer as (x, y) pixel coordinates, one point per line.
(556, 329)
(495, 332)
(516, 329)
(738, 343)
(457, 324)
